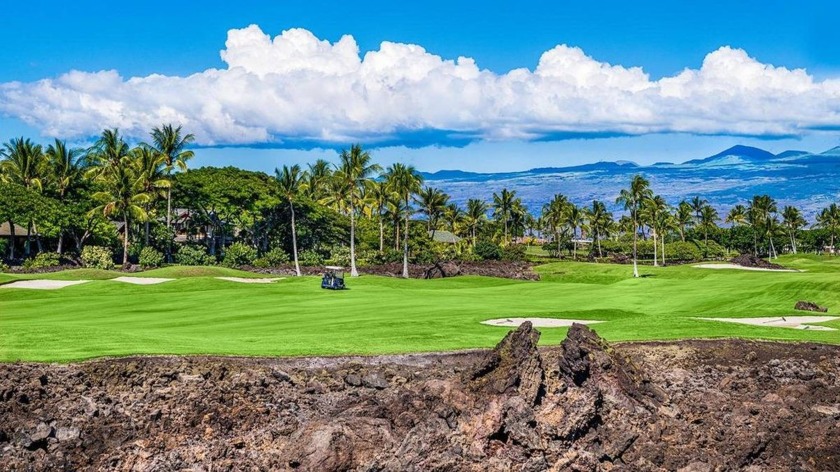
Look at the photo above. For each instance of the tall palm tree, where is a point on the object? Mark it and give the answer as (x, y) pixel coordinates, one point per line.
(683, 217)
(697, 205)
(574, 219)
(108, 151)
(737, 215)
(122, 195)
(405, 181)
(793, 222)
(66, 172)
(379, 195)
(171, 144)
(554, 217)
(291, 182)
(666, 222)
(153, 178)
(652, 209)
(23, 163)
(632, 198)
(317, 179)
(453, 216)
(476, 214)
(355, 168)
(432, 203)
(599, 221)
(708, 222)
(503, 206)
(829, 219)
(764, 208)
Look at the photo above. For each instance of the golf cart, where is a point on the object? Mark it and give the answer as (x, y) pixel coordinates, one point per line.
(333, 278)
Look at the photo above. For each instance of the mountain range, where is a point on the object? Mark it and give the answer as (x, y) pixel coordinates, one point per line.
(807, 180)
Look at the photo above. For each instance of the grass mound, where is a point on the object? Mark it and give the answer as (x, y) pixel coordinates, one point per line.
(178, 272)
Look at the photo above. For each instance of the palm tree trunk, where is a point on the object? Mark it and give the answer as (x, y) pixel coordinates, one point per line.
(655, 253)
(574, 244)
(60, 248)
(635, 237)
(294, 239)
(663, 251)
(405, 244)
(168, 224)
(381, 234)
(125, 239)
(26, 247)
(353, 271)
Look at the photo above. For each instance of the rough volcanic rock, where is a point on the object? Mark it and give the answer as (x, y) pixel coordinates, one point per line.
(441, 270)
(809, 306)
(585, 405)
(749, 260)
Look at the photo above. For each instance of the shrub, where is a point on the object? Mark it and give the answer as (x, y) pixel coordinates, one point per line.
(389, 256)
(272, 258)
(310, 258)
(239, 254)
(98, 257)
(488, 251)
(3, 267)
(682, 251)
(514, 252)
(194, 255)
(4, 247)
(42, 261)
(150, 257)
(340, 255)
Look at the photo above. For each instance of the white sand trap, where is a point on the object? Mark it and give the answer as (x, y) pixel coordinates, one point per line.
(738, 267)
(141, 280)
(538, 322)
(250, 281)
(43, 284)
(794, 322)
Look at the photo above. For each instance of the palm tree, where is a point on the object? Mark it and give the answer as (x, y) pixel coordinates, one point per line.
(169, 142)
(697, 205)
(793, 221)
(502, 207)
(66, 171)
(652, 209)
(475, 215)
(122, 195)
(599, 221)
(405, 181)
(763, 207)
(109, 150)
(23, 163)
(829, 219)
(632, 199)
(737, 215)
(432, 203)
(291, 182)
(574, 219)
(153, 179)
(665, 223)
(355, 168)
(683, 217)
(453, 215)
(554, 217)
(708, 219)
(317, 179)
(379, 195)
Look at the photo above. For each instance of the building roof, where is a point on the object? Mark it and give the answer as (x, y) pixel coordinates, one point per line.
(5, 230)
(443, 236)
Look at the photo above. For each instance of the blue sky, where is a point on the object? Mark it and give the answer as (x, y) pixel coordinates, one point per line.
(180, 43)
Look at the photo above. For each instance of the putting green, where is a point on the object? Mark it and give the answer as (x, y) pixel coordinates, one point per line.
(199, 314)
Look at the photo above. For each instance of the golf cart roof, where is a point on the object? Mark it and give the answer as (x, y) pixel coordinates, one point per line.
(334, 268)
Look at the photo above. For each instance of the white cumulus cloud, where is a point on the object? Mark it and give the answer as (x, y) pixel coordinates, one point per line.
(297, 88)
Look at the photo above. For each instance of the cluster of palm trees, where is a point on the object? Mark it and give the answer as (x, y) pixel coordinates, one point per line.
(126, 181)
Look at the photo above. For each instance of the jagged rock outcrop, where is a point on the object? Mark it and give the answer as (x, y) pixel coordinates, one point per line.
(584, 406)
(803, 305)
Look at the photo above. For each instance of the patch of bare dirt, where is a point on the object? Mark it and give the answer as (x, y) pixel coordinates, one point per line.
(586, 405)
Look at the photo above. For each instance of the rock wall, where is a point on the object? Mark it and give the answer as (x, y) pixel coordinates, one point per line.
(585, 405)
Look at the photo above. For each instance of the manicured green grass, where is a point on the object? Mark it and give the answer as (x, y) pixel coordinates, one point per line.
(198, 314)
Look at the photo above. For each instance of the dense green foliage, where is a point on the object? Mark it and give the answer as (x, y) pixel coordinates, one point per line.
(150, 258)
(98, 257)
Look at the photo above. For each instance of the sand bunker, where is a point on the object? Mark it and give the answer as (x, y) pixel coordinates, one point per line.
(141, 280)
(738, 267)
(43, 284)
(794, 322)
(538, 322)
(250, 281)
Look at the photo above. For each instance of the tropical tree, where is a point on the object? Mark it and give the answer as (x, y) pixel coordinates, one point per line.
(291, 183)
(432, 203)
(453, 215)
(354, 169)
(171, 144)
(24, 163)
(476, 214)
(405, 181)
(66, 167)
(683, 217)
(632, 198)
(697, 205)
(708, 222)
(652, 209)
(793, 221)
(123, 196)
(574, 219)
(149, 166)
(379, 195)
(503, 207)
(318, 179)
(554, 217)
(600, 222)
(829, 219)
(737, 215)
